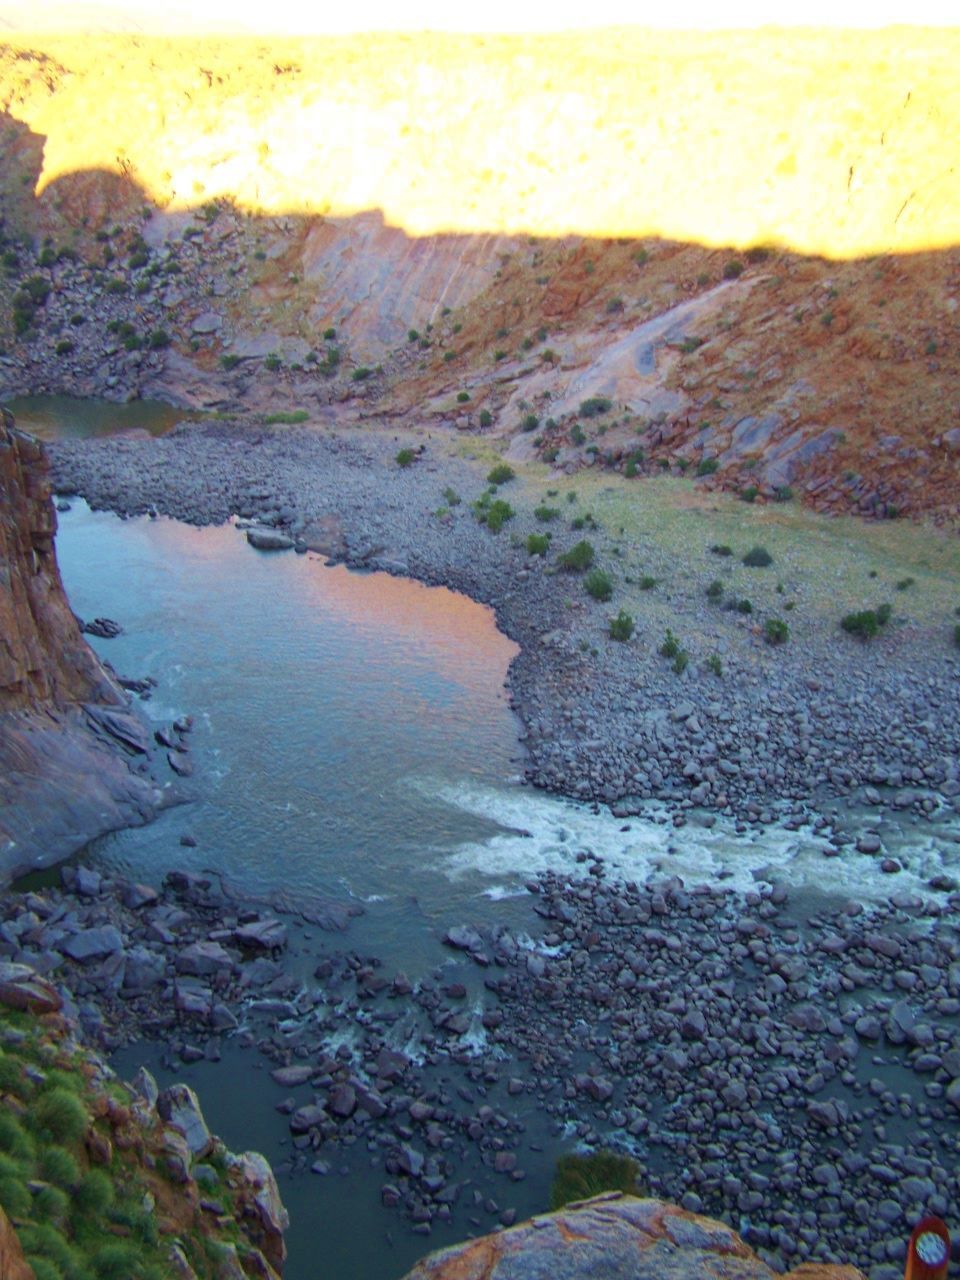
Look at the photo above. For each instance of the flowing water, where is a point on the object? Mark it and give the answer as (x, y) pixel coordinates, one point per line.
(353, 740)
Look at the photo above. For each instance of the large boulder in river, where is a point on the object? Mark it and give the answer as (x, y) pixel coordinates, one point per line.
(269, 540)
(610, 1237)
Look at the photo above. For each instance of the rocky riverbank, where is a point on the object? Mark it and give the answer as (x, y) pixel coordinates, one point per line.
(787, 728)
(798, 1075)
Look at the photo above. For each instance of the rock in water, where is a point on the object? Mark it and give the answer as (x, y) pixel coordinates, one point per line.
(269, 540)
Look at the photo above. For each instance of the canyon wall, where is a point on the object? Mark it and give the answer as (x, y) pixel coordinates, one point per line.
(75, 760)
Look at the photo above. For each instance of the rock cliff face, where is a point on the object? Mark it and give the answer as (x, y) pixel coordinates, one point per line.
(43, 656)
(74, 760)
(613, 1237)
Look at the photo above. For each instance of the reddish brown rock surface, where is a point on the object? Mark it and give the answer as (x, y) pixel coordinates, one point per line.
(66, 757)
(610, 1237)
(13, 1265)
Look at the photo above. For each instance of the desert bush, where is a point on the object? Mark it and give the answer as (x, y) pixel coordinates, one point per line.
(776, 631)
(546, 514)
(749, 494)
(622, 626)
(286, 419)
(647, 582)
(758, 558)
(500, 474)
(578, 558)
(497, 514)
(741, 606)
(158, 339)
(721, 549)
(580, 1177)
(866, 623)
(229, 361)
(530, 422)
(538, 544)
(577, 434)
(732, 269)
(329, 335)
(273, 362)
(707, 466)
(405, 457)
(598, 585)
(671, 645)
(594, 406)
(714, 665)
(715, 590)
(486, 418)
(463, 397)
(681, 662)
(782, 493)
(361, 373)
(64, 347)
(451, 496)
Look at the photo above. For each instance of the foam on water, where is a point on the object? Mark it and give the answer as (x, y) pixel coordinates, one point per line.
(540, 833)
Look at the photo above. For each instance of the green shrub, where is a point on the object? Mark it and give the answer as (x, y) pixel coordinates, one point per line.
(94, 1194)
(60, 1115)
(361, 373)
(530, 422)
(646, 582)
(158, 339)
(715, 590)
(405, 457)
(120, 1261)
(329, 335)
(15, 1198)
(580, 1177)
(463, 397)
(44, 1269)
(64, 347)
(448, 356)
(51, 1204)
(546, 514)
(749, 494)
(721, 549)
(486, 418)
(58, 1166)
(578, 558)
(38, 289)
(500, 474)
(78, 319)
(782, 493)
(714, 664)
(707, 466)
(595, 406)
(671, 645)
(905, 583)
(14, 1139)
(758, 558)
(272, 362)
(622, 626)
(229, 361)
(577, 435)
(866, 623)
(732, 269)
(538, 544)
(741, 606)
(956, 635)
(286, 419)
(497, 514)
(598, 585)
(117, 285)
(776, 631)
(691, 344)
(681, 662)
(46, 1241)
(451, 496)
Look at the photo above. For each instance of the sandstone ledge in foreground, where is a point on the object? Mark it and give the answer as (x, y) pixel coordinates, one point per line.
(613, 1237)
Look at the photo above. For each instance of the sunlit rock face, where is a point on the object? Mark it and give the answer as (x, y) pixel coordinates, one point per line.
(828, 142)
(609, 1237)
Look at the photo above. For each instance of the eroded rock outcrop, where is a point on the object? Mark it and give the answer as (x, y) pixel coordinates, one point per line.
(73, 757)
(609, 1237)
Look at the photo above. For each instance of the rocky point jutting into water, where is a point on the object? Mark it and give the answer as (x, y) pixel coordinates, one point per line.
(74, 759)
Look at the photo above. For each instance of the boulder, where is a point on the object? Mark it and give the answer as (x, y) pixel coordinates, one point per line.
(92, 944)
(179, 1107)
(610, 1236)
(22, 988)
(269, 540)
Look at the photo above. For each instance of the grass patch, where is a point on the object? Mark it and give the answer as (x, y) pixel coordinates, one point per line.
(580, 1177)
(286, 419)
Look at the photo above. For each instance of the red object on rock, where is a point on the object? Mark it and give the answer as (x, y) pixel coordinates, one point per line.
(928, 1254)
